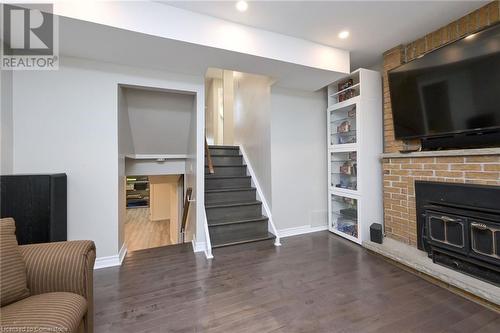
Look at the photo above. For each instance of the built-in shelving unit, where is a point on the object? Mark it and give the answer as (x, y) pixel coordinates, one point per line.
(355, 141)
(137, 192)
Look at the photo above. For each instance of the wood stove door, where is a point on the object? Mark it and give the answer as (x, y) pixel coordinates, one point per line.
(485, 240)
(447, 231)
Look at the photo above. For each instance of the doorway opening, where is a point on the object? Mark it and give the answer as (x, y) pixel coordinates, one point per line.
(219, 90)
(154, 211)
(155, 129)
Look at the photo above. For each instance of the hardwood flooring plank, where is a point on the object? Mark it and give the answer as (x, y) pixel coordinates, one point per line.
(313, 283)
(142, 233)
(473, 323)
(491, 327)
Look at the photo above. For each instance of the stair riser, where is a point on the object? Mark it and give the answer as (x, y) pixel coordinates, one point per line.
(221, 151)
(213, 184)
(228, 171)
(226, 160)
(248, 229)
(218, 244)
(248, 211)
(233, 196)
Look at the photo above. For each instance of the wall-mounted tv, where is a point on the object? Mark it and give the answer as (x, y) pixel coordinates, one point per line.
(453, 90)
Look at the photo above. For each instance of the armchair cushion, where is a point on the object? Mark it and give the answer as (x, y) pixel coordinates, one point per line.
(13, 285)
(51, 312)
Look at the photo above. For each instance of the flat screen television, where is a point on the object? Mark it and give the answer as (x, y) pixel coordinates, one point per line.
(453, 90)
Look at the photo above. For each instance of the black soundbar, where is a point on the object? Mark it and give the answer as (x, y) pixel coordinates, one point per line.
(463, 141)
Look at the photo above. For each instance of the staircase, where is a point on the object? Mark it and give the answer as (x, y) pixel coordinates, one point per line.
(233, 212)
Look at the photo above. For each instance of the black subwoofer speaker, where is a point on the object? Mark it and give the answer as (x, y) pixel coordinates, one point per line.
(376, 233)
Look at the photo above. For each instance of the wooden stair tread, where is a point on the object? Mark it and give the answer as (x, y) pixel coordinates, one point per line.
(233, 204)
(236, 240)
(213, 176)
(224, 147)
(228, 165)
(223, 155)
(228, 221)
(232, 189)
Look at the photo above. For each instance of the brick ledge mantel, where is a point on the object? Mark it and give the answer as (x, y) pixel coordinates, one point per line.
(458, 152)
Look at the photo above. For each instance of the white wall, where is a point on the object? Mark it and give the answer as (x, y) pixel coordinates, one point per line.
(67, 121)
(283, 132)
(228, 93)
(252, 125)
(194, 174)
(159, 120)
(298, 147)
(125, 147)
(209, 111)
(156, 19)
(150, 167)
(6, 123)
(214, 132)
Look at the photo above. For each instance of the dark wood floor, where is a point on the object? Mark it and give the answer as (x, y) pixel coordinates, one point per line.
(313, 283)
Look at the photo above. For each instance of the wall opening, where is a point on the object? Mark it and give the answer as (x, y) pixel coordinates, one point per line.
(154, 135)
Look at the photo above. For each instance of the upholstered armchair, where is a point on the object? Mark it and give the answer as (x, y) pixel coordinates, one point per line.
(58, 295)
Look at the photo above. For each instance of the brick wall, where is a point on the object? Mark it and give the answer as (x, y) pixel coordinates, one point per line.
(400, 173)
(484, 16)
(399, 185)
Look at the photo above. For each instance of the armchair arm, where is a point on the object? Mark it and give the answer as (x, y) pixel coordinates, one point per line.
(60, 266)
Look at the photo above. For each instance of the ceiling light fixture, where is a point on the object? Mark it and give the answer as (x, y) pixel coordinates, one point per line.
(343, 34)
(242, 6)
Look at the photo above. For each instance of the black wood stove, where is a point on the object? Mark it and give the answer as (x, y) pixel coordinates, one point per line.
(458, 225)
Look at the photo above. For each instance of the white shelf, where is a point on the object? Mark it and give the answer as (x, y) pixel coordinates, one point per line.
(344, 90)
(156, 156)
(343, 148)
(343, 104)
(367, 123)
(345, 192)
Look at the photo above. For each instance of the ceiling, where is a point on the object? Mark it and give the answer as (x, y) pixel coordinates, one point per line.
(88, 40)
(375, 26)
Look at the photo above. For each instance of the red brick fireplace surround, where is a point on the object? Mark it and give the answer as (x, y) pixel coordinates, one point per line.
(477, 166)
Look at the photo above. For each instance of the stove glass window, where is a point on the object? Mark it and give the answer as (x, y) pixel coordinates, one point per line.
(482, 240)
(454, 233)
(437, 229)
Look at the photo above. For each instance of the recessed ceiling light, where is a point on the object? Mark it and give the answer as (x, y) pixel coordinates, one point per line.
(343, 34)
(242, 5)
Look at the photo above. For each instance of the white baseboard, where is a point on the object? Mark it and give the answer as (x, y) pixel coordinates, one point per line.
(305, 229)
(111, 261)
(201, 247)
(122, 253)
(198, 246)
